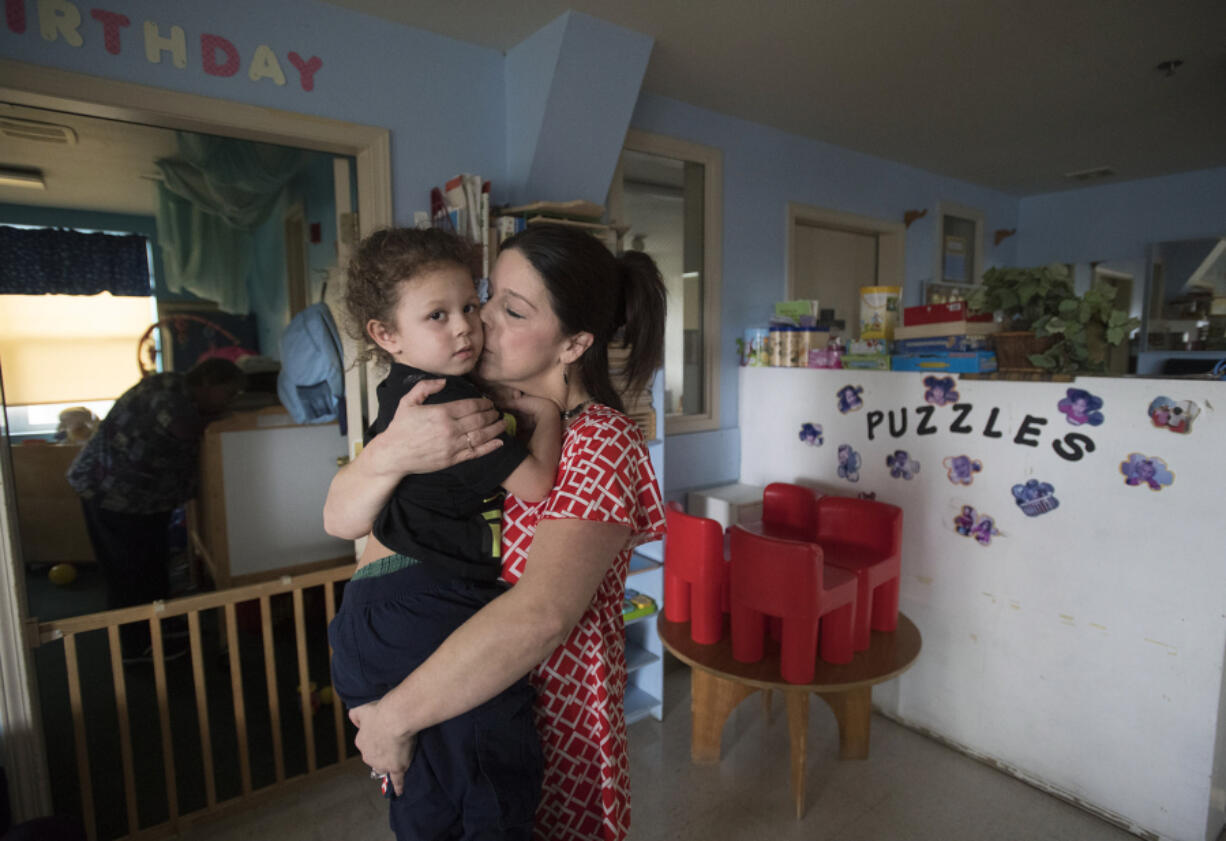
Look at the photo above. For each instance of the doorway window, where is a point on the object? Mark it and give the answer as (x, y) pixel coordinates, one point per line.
(667, 192)
(832, 255)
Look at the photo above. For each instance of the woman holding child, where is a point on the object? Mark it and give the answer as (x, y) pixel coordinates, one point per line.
(557, 297)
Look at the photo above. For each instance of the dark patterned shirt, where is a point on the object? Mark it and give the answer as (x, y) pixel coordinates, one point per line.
(145, 456)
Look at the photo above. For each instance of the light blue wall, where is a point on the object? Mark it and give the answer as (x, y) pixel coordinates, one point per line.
(1120, 221)
(764, 169)
(591, 97)
(442, 99)
(529, 70)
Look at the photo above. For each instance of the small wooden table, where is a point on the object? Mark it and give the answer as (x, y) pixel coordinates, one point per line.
(718, 683)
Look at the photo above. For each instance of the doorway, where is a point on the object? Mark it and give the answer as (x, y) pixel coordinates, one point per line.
(56, 90)
(831, 255)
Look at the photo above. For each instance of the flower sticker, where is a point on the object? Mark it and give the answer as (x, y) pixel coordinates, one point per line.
(849, 398)
(1035, 497)
(940, 390)
(811, 434)
(979, 526)
(1150, 471)
(1175, 415)
(1081, 407)
(849, 463)
(901, 465)
(962, 469)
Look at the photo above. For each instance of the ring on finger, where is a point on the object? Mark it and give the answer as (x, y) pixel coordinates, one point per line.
(468, 437)
(374, 775)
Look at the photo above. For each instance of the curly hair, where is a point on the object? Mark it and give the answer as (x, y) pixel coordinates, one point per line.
(382, 262)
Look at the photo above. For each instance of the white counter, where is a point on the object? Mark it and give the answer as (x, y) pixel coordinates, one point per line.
(1082, 647)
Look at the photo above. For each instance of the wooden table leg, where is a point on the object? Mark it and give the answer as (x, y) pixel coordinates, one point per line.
(798, 730)
(853, 711)
(712, 699)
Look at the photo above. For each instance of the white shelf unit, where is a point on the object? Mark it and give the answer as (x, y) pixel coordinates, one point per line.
(644, 652)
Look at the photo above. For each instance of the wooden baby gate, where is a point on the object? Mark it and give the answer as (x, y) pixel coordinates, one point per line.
(223, 607)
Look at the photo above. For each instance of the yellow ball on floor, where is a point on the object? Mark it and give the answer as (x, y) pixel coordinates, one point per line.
(325, 696)
(61, 575)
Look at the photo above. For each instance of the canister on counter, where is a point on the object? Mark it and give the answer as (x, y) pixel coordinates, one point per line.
(757, 347)
(879, 311)
(777, 345)
(791, 337)
(807, 338)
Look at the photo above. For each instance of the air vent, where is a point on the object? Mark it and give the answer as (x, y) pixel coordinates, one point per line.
(20, 129)
(1090, 174)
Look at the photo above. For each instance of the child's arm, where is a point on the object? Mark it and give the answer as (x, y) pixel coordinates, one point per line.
(533, 479)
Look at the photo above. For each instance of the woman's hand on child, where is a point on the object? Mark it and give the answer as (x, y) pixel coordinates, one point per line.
(384, 749)
(423, 439)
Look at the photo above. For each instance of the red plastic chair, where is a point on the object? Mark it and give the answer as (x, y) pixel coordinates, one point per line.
(790, 511)
(861, 536)
(787, 579)
(695, 574)
(865, 537)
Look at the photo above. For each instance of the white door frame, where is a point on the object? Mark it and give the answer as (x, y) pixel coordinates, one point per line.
(891, 240)
(42, 87)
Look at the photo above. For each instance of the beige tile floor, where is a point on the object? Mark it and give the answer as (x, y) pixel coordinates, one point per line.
(909, 789)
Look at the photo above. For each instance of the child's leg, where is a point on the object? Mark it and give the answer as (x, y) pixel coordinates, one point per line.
(488, 761)
(477, 776)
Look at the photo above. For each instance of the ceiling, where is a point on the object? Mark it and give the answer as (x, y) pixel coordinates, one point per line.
(109, 167)
(1004, 94)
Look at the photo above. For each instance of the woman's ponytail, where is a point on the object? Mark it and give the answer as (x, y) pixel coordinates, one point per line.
(642, 319)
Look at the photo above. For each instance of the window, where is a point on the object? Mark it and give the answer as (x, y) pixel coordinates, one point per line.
(668, 193)
(70, 348)
(959, 247)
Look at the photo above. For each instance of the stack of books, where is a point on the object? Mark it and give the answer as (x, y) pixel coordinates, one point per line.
(944, 337)
(463, 206)
(638, 405)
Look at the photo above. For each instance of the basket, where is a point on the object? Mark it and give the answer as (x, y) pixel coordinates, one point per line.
(1013, 350)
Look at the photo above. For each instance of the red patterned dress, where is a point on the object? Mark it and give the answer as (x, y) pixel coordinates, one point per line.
(605, 475)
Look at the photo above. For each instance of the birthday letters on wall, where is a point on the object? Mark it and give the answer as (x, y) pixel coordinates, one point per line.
(62, 20)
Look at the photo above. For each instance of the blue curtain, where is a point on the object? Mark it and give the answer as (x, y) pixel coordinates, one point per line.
(214, 196)
(58, 261)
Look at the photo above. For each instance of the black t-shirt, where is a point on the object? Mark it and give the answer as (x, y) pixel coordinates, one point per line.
(451, 519)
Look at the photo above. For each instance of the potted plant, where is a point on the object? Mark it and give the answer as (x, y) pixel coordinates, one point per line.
(1086, 328)
(1046, 325)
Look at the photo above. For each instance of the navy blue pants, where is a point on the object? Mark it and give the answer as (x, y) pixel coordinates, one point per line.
(133, 554)
(476, 777)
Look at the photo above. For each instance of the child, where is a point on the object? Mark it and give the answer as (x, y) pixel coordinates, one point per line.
(477, 776)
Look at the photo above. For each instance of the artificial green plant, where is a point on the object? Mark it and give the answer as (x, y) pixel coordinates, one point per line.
(1042, 299)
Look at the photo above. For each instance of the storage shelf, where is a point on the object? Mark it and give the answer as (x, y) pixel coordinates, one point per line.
(637, 657)
(639, 704)
(643, 565)
(653, 551)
